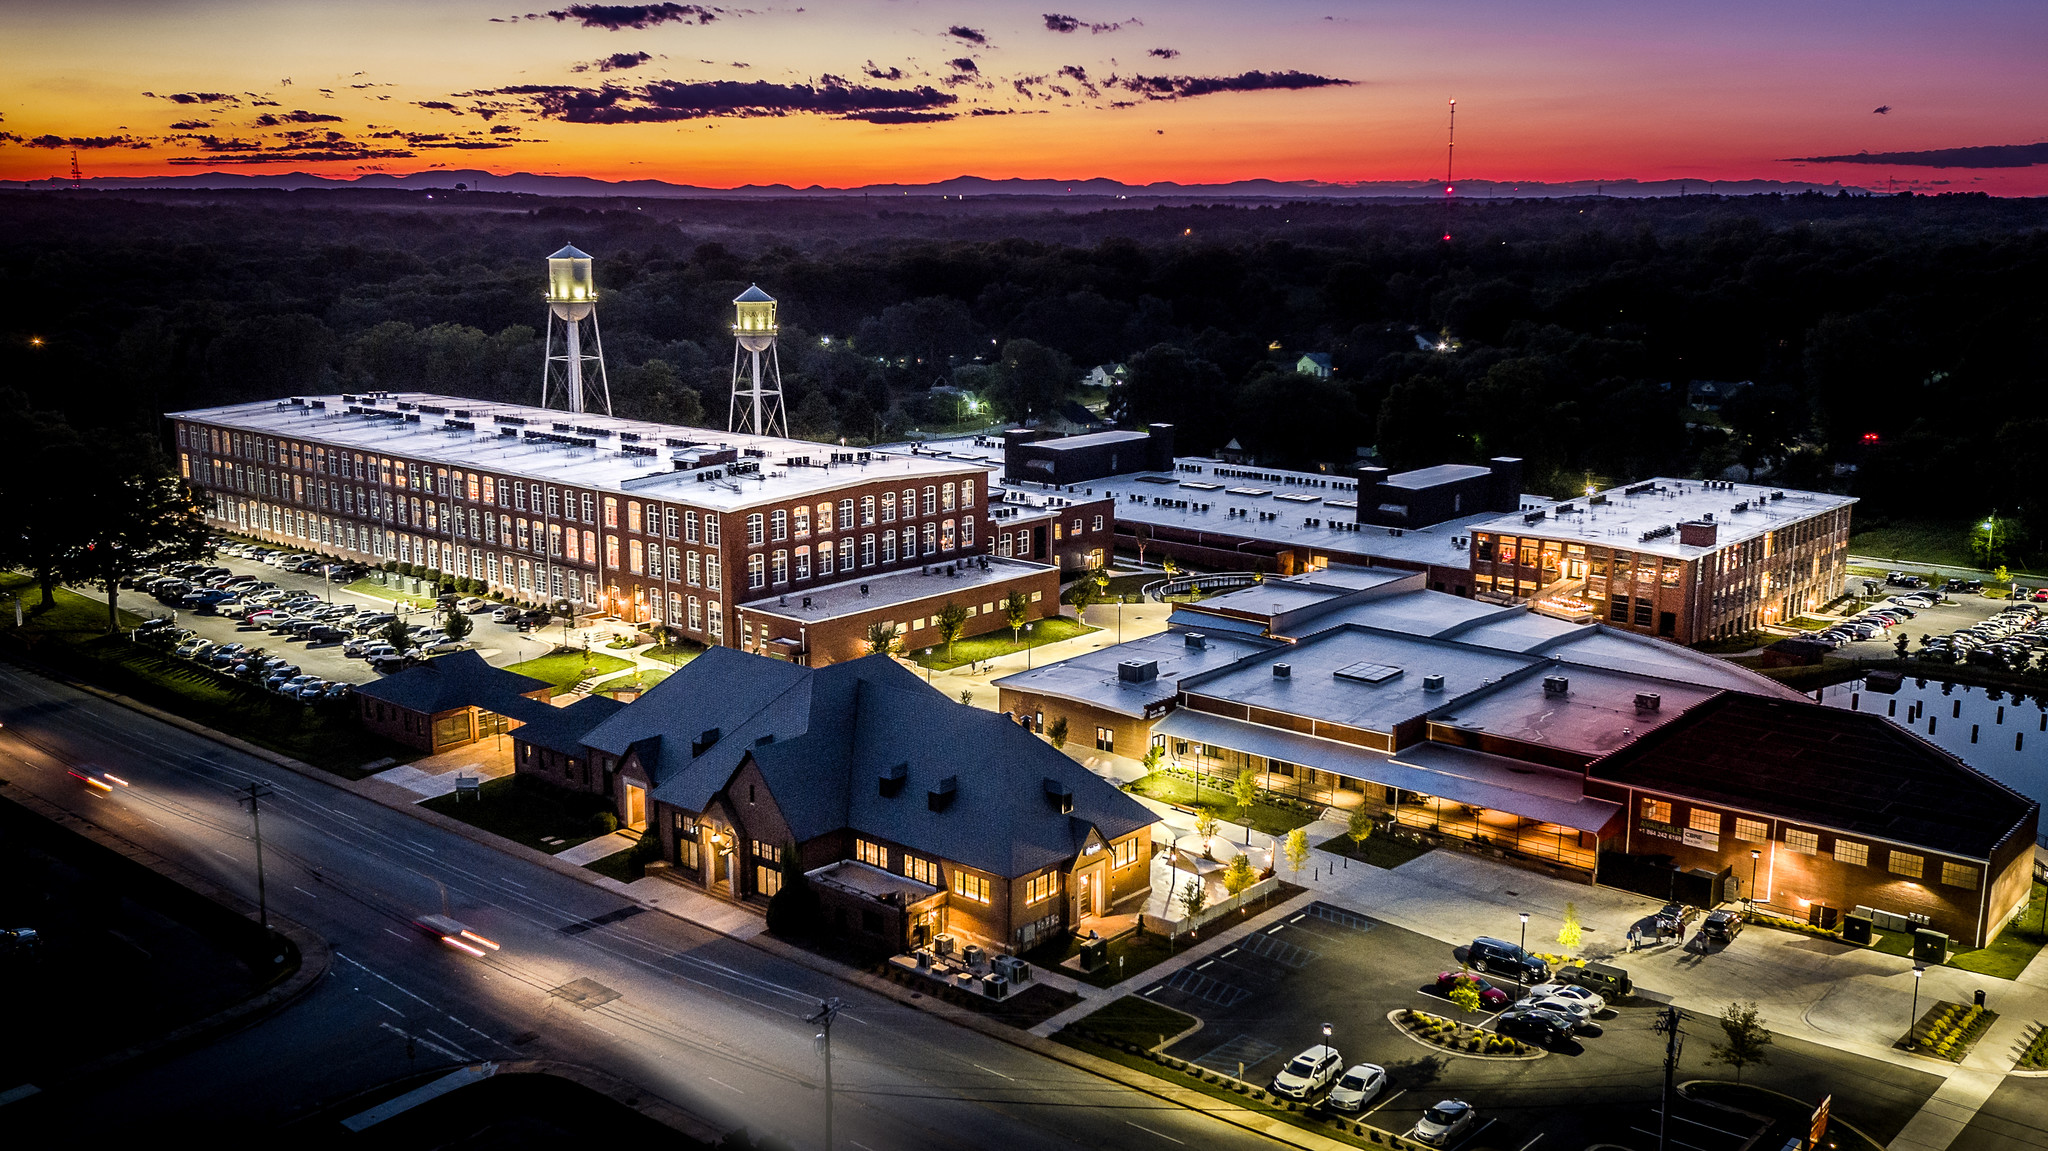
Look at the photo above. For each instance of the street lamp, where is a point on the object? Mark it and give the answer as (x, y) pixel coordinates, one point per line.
(1914, 1020)
(1754, 855)
(1525, 948)
(1326, 1035)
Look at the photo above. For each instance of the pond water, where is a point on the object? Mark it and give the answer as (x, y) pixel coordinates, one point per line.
(1984, 727)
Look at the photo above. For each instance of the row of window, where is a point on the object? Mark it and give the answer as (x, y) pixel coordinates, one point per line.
(783, 524)
(1910, 865)
(785, 564)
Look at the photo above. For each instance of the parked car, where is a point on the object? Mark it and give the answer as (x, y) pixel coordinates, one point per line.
(193, 647)
(1593, 1001)
(1722, 926)
(326, 633)
(1500, 957)
(1490, 997)
(471, 605)
(153, 624)
(443, 646)
(1446, 1123)
(338, 691)
(1537, 1025)
(506, 614)
(1572, 1009)
(1357, 1087)
(1610, 981)
(1308, 1072)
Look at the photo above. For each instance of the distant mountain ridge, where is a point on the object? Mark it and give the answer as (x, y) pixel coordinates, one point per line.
(530, 183)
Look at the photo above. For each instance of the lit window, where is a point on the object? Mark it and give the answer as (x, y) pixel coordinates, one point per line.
(1707, 821)
(967, 886)
(922, 870)
(1126, 852)
(1803, 842)
(873, 854)
(1656, 811)
(1040, 888)
(1854, 854)
(1752, 830)
(1906, 863)
(757, 571)
(1959, 875)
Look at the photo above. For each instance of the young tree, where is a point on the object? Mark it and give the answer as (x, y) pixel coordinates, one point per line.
(1358, 828)
(140, 518)
(967, 696)
(952, 621)
(1239, 875)
(1081, 595)
(1205, 826)
(1194, 897)
(881, 638)
(457, 625)
(1016, 613)
(1748, 1041)
(1464, 995)
(1297, 850)
(1245, 789)
(1056, 731)
(1153, 754)
(398, 634)
(1572, 933)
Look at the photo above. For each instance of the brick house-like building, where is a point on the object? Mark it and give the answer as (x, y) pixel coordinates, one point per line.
(450, 701)
(916, 815)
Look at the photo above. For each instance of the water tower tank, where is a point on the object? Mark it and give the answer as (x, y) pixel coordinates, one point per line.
(572, 289)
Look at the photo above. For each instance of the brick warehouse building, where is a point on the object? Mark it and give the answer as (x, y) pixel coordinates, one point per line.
(918, 815)
(648, 522)
(1687, 560)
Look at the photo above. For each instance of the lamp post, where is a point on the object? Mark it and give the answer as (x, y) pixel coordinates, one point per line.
(1326, 1035)
(1914, 1020)
(826, 1013)
(1755, 854)
(1525, 948)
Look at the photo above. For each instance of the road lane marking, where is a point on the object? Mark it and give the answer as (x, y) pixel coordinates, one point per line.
(303, 891)
(1149, 1131)
(1533, 1142)
(421, 846)
(1387, 1100)
(388, 931)
(994, 1072)
(513, 882)
(218, 851)
(467, 1055)
(422, 1042)
(724, 1084)
(387, 1007)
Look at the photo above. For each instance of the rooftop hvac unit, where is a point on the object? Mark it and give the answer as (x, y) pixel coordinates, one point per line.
(1432, 683)
(1556, 685)
(1282, 671)
(1648, 701)
(1137, 670)
(1197, 640)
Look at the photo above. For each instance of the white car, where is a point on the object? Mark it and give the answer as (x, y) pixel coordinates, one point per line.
(1445, 1123)
(1592, 999)
(1359, 1086)
(1308, 1072)
(1563, 1006)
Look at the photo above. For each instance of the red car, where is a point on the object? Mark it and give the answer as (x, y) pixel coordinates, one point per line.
(2041, 595)
(1490, 997)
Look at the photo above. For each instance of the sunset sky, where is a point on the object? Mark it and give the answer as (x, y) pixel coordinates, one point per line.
(847, 92)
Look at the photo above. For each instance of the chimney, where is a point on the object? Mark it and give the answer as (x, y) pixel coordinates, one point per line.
(942, 796)
(1701, 534)
(704, 742)
(1282, 671)
(1648, 701)
(1059, 796)
(892, 780)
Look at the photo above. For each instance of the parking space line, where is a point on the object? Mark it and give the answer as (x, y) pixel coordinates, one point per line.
(1387, 1100)
(994, 1072)
(1533, 1142)
(1149, 1131)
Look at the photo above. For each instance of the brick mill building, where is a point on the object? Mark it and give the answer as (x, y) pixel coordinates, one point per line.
(721, 536)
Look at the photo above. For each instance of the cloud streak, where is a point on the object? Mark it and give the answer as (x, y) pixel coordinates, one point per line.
(1055, 22)
(1187, 87)
(618, 17)
(668, 100)
(616, 62)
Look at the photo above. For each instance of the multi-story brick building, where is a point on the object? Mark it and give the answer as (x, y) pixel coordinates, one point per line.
(1688, 560)
(590, 514)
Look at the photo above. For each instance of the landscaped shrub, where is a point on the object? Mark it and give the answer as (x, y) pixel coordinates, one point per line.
(604, 822)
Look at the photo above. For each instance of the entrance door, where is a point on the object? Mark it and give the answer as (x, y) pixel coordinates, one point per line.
(636, 807)
(1086, 894)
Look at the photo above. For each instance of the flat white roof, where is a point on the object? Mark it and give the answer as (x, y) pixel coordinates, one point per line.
(968, 577)
(1621, 517)
(1440, 474)
(648, 471)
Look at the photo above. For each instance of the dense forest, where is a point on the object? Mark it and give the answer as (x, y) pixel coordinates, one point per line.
(1892, 346)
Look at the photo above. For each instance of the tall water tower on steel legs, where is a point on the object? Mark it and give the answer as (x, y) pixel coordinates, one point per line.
(756, 399)
(572, 299)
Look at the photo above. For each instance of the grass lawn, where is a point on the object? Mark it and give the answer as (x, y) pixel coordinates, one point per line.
(1381, 850)
(525, 810)
(1345, 1134)
(642, 679)
(678, 654)
(997, 643)
(1788, 1116)
(1136, 1020)
(2011, 949)
(619, 865)
(69, 637)
(1264, 817)
(369, 586)
(567, 667)
(1129, 954)
(1930, 542)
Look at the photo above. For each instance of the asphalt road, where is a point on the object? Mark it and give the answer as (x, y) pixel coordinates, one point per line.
(2016, 1115)
(710, 1024)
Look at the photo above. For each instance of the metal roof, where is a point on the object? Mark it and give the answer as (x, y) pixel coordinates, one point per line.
(753, 295)
(1740, 512)
(1433, 476)
(570, 252)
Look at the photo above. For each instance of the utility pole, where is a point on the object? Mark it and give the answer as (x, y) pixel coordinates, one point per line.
(1674, 1041)
(257, 791)
(828, 1010)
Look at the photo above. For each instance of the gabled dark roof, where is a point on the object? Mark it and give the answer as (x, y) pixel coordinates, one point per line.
(456, 680)
(565, 728)
(1849, 771)
(823, 738)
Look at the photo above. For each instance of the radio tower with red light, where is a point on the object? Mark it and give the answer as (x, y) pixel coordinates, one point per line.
(1450, 155)
(77, 177)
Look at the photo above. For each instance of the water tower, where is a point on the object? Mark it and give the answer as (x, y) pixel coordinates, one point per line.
(753, 329)
(572, 299)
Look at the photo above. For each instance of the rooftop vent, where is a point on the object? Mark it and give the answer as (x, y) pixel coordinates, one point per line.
(1059, 796)
(1137, 670)
(704, 742)
(1196, 640)
(1432, 683)
(1648, 701)
(892, 779)
(765, 740)
(942, 796)
(1367, 672)
(1282, 671)
(1556, 685)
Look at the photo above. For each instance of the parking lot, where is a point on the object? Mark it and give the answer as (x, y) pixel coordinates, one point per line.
(1267, 998)
(499, 644)
(1953, 614)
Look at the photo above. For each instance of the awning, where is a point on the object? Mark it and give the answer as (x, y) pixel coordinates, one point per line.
(1432, 769)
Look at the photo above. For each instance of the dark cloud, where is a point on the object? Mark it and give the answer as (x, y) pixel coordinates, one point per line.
(1055, 22)
(1981, 156)
(1163, 53)
(85, 142)
(616, 17)
(665, 100)
(272, 119)
(874, 73)
(191, 125)
(616, 62)
(892, 116)
(993, 112)
(295, 156)
(198, 97)
(1078, 75)
(10, 137)
(970, 35)
(963, 64)
(1182, 87)
(438, 106)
